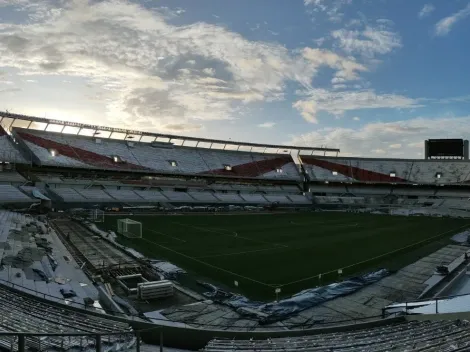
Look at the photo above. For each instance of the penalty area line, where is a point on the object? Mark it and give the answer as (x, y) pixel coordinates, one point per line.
(207, 264)
(164, 234)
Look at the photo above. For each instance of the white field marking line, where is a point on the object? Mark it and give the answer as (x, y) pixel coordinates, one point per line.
(376, 257)
(164, 234)
(207, 264)
(237, 236)
(237, 253)
(331, 223)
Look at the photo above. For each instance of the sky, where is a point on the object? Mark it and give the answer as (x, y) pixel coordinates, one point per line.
(374, 78)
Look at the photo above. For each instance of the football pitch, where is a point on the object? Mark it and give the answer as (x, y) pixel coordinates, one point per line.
(263, 252)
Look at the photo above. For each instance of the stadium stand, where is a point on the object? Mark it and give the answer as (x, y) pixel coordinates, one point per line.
(125, 196)
(405, 336)
(152, 196)
(10, 195)
(86, 152)
(23, 313)
(8, 150)
(229, 197)
(254, 198)
(68, 194)
(203, 197)
(386, 170)
(11, 177)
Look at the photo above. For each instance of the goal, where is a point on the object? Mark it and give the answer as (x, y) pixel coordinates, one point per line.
(96, 215)
(129, 228)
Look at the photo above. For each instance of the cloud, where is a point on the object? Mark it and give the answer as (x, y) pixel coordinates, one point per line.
(346, 68)
(426, 10)
(336, 103)
(10, 90)
(369, 42)
(374, 138)
(153, 72)
(444, 26)
(332, 8)
(356, 118)
(267, 125)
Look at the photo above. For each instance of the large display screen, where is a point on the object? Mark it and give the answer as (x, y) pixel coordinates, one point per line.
(446, 147)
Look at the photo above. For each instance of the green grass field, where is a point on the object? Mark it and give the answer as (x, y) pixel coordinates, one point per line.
(265, 251)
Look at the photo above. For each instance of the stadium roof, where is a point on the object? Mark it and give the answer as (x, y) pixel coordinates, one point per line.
(32, 122)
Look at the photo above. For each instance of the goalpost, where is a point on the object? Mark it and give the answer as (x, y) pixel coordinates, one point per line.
(129, 228)
(97, 215)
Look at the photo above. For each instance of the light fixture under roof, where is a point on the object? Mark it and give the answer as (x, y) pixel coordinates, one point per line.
(227, 168)
(53, 152)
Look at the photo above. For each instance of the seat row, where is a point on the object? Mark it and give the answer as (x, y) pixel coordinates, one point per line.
(414, 335)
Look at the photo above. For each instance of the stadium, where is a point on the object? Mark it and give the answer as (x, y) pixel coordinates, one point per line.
(125, 240)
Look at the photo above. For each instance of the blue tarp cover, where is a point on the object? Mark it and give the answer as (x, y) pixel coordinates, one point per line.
(275, 311)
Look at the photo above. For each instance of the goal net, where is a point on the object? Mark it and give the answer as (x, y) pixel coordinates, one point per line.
(129, 228)
(96, 215)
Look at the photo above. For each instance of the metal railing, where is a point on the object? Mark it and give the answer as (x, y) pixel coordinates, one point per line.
(406, 307)
(23, 341)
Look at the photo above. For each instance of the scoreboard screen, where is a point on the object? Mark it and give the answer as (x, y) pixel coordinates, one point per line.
(446, 147)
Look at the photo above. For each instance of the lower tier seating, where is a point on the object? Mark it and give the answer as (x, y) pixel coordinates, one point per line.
(407, 336)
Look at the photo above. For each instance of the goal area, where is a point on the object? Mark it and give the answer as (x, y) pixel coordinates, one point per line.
(129, 228)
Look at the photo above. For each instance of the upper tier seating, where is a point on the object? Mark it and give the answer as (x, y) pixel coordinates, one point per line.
(8, 150)
(86, 152)
(407, 336)
(387, 170)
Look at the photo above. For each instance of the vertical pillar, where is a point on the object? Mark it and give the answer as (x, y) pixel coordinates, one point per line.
(137, 341)
(161, 340)
(21, 343)
(98, 343)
